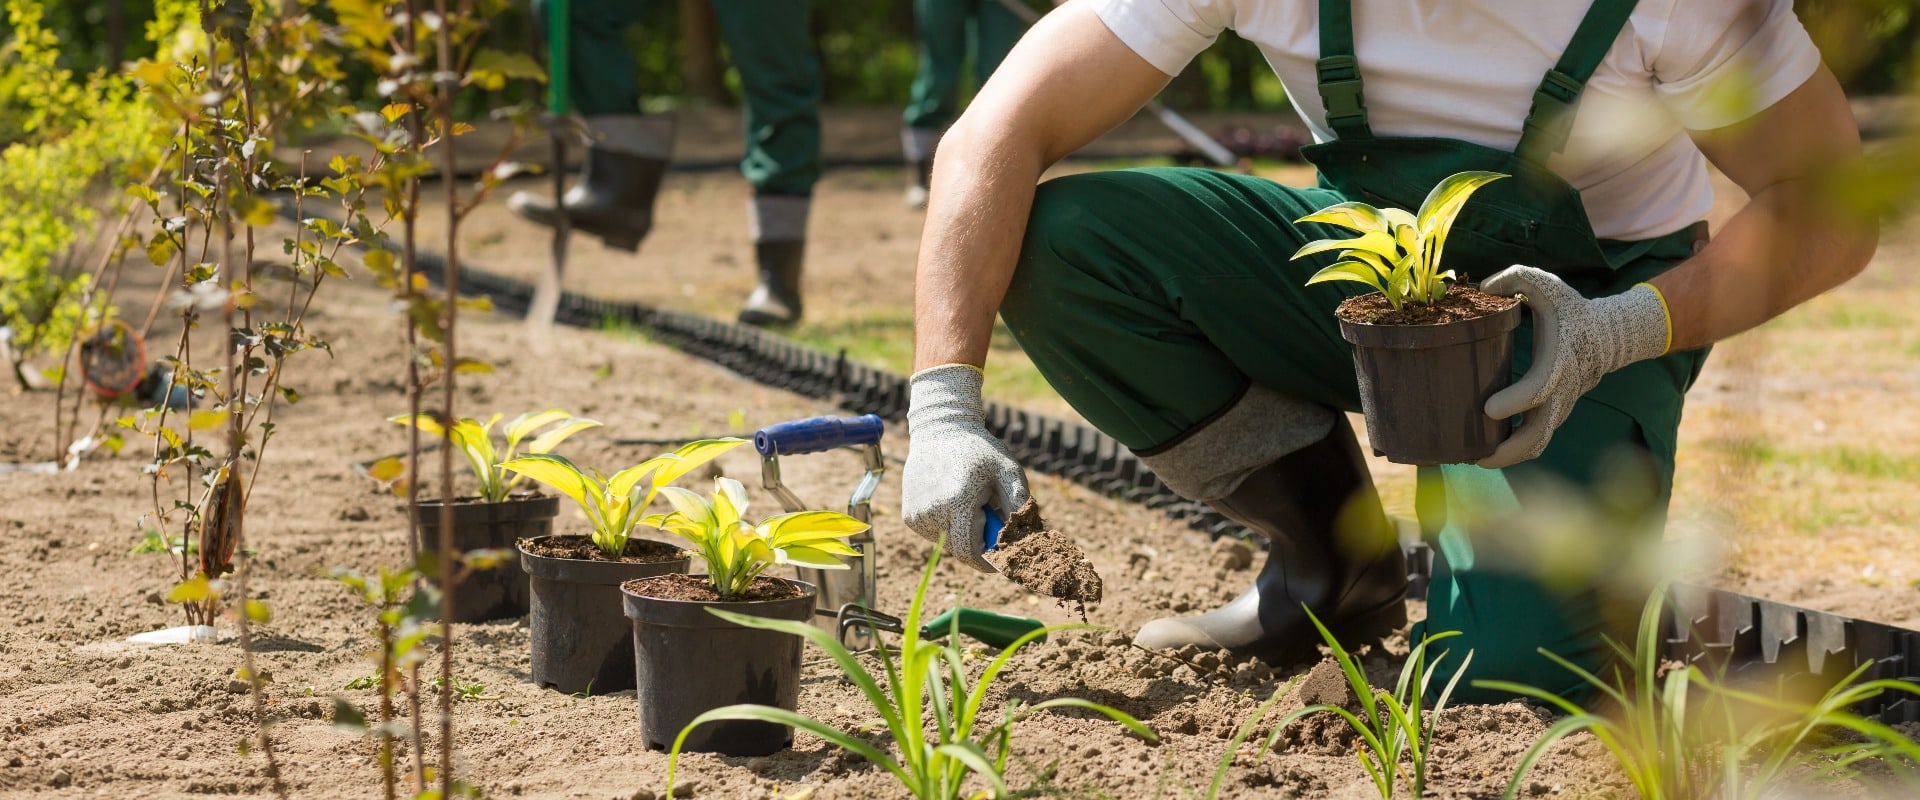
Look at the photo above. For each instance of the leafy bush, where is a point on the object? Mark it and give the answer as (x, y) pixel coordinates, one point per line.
(65, 138)
(737, 551)
(1396, 253)
(614, 505)
(475, 441)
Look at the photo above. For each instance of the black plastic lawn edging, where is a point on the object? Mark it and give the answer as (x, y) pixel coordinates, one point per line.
(1745, 635)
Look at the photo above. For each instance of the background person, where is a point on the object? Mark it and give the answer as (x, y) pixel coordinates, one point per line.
(769, 45)
(950, 32)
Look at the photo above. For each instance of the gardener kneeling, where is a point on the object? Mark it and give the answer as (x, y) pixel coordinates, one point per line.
(1161, 303)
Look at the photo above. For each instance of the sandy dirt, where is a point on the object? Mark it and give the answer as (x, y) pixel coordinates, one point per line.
(86, 714)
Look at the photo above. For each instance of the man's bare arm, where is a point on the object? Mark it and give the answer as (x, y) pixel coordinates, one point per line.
(1792, 240)
(1067, 81)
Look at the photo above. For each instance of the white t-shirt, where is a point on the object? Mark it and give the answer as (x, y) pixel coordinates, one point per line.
(1467, 69)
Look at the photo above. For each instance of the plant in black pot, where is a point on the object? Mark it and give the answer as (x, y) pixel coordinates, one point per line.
(688, 660)
(581, 642)
(498, 516)
(1428, 352)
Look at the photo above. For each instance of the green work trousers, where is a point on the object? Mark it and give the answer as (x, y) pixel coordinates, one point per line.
(950, 31)
(1150, 298)
(767, 42)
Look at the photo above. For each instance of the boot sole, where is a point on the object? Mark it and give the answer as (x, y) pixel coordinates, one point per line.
(1370, 627)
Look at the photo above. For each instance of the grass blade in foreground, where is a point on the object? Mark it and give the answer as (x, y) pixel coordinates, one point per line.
(924, 683)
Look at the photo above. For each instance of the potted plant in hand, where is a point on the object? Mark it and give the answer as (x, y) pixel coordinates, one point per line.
(1428, 353)
(580, 641)
(498, 516)
(689, 661)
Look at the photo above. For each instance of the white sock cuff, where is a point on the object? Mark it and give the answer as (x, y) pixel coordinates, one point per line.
(644, 135)
(778, 218)
(918, 143)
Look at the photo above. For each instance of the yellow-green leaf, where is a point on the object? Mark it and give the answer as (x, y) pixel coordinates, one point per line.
(1352, 215)
(524, 425)
(694, 454)
(387, 469)
(691, 505)
(556, 472)
(196, 590)
(809, 557)
(258, 613)
(1368, 242)
(425, 422)
(203, 420)
(552, 439)
(1348, 271)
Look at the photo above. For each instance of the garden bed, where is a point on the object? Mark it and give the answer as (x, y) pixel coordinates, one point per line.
(85, 712)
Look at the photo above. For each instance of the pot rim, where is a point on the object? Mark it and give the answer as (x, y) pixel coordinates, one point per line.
(523, 551)
(809, 591)
(476, 500)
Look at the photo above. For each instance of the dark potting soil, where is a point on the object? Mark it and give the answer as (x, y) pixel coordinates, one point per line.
(580, 548)
(517, 497)
(1460, 303)
(696, 588)
(1044, 561)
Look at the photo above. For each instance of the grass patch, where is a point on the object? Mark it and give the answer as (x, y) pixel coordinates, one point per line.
(883, 337)
(1845, 460)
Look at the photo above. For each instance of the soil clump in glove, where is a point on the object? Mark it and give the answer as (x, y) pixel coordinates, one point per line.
(1045, 561)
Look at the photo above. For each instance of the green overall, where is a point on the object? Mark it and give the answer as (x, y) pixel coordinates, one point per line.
(1151, 298)
(948, 30)
(767, 42)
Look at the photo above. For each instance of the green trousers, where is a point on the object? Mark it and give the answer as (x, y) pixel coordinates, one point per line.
(1150, 298)
(950, 31)
(767, 42)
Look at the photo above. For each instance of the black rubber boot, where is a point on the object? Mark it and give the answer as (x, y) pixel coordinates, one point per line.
(612, 200)
(1298, 502)
(919, 183)
(776, 301)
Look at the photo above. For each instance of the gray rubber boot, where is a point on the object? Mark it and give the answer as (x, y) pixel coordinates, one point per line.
(776, 301)
(1332, 549)
(778, 226)
(619, 179)
(918, 144)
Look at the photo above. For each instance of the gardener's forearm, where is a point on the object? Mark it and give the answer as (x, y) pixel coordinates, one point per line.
(1067, 81)
(1796, 237)
(1789, 244)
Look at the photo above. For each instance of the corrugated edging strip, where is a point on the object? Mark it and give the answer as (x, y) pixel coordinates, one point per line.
(1733, 632)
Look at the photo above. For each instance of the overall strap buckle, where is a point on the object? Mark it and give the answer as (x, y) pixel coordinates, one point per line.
(1342, 95)
(1550, 118)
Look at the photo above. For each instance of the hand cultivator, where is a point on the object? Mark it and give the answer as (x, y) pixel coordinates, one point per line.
(846, 603)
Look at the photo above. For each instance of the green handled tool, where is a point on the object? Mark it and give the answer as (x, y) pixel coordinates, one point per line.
(546, 294)
(987, 627)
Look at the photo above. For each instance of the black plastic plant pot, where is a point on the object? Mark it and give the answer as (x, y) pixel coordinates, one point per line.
(1424, 388)
(690, 662)
(500, 592)
(581, 642)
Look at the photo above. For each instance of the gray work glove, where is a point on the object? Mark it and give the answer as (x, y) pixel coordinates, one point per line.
(954, 466)
(1576, 342)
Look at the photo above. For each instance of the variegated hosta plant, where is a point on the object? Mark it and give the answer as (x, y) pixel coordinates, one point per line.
(614, 505)
(475, 441)
(737, 551)
(1396, 253)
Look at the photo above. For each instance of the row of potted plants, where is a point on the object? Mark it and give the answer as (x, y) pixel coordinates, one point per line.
(610, 610)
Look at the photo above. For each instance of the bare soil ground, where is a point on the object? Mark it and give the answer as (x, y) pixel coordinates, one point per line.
(1799, 454)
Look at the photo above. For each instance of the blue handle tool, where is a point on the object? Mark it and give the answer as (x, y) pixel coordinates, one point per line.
(817, 434)
(991, 536)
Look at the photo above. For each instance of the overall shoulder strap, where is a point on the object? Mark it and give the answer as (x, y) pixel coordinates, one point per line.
(1550, 119)
(1338, 72)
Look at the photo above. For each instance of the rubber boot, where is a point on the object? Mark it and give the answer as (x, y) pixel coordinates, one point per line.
(918, 145)
(919, 183)
(1300, 503)
(776, 301)
(619, 179)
